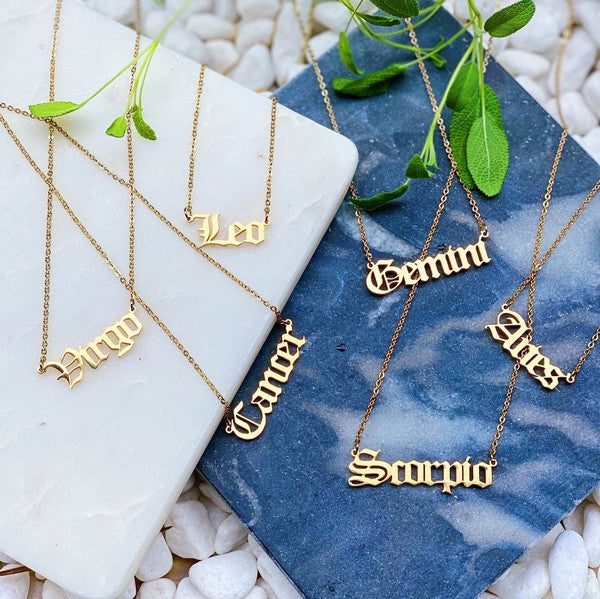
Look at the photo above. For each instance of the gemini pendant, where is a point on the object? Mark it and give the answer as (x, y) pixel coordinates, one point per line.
(384, 277)
(514, 334)
(269, 388)
(237, 233)
(118, 338)
(368, 470)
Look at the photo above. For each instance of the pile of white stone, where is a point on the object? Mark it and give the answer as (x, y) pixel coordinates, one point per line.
(204, 551)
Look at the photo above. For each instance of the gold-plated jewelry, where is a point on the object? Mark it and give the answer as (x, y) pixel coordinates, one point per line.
(368, 470)
(385, 277)
(514, 332)
(117, 338)
(237, 233)
(382, 276)
(269, 389)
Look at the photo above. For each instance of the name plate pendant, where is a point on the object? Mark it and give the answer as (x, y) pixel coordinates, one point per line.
(384, 276)
(117, 338)
(238, 234)
(368, 470)
(269, 388)
(513, 333)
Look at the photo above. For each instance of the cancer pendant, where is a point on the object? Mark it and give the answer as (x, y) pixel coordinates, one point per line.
(237, 233)
(269, 388)
(368, 470)
(384, 276)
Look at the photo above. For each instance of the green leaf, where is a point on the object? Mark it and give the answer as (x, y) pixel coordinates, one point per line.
(118, 127)
(143, 128)
(510, 19)
(382, 198)
(398, 8)
(465, 86)
(372, 84)
(460, 127)
(416, 168)
(380, 20)
(346, 55)
(50, 110)
(437, 60)
(487, 155)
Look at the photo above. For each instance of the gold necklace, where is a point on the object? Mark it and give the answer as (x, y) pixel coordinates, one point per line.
(511, 330)
(282, 362)
(119, 337)
(384, 276)
(237, 233)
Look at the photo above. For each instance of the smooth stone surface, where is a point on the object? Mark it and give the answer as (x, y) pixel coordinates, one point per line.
(524, 581)
(287, 42)
(520, 62)
(591, 534)
(579, 58)
(157, 561)
(280, 584)
(257, 593)
(230, 576)
(255, 69)
(15, 586)
(208, 27)
(332, 14)
(592, 586)
(230, 534)
(191, 534)
(186, 590)
(568, 566)
(591, 92)
(108, 459)
(447, 380)
(259, 31)
(158, 589)
(537, 92)
(222, 55)
(257, 9)
(579, 118)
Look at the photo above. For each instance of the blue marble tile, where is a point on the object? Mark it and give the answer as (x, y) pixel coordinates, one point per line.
(447, 380)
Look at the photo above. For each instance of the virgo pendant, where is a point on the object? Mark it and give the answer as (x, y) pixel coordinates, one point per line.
(117, 338)
(384, 276)
(368, 470)
(237, 233)
(269, 388)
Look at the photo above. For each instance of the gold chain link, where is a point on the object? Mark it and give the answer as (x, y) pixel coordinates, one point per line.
(193, 151)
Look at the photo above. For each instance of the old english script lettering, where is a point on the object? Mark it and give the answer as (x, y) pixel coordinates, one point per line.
(384, 276)
(237, 234)
(269, 388)
(512, 332)
(118, 338)
(368, 470)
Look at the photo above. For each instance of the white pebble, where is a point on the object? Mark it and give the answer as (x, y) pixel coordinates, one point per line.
(230, 576)
(259, 31)
(579, 58)
(130, 590)
(580, 119)
(191, 481)
(529, 580)
(541, 34)
(574, 520)
(222, 56)
(257, 593)
(192, 534)
(568, 567)
(520, 62)
(184, 42)
(592, 586)
(294, 70)
(254, 546)
(533, 88)
(322, 42)
(158, 589)
(485, 7)
(591, 533)
(216, 514)
(332, 15)
(266, 588)
(255, 69)
(196, 6)
(542, 548)
(280, 584)
(211, 493)
(157, 561)
(591, 143)
(226, 9)
(591, 93)
(230, 534)
(257, 9)
(122, 11)
(53, 591)
(186, 590)
(153, 23)
(287, 43)
(15, 586)
(208, 27)
(588, 14)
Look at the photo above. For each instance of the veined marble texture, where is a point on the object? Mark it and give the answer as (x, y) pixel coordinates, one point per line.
(447, 380)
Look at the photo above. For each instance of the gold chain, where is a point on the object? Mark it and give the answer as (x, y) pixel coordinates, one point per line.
(193, 151)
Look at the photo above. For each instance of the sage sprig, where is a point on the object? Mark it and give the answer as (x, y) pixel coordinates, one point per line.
(134, 102)
(477, 134)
